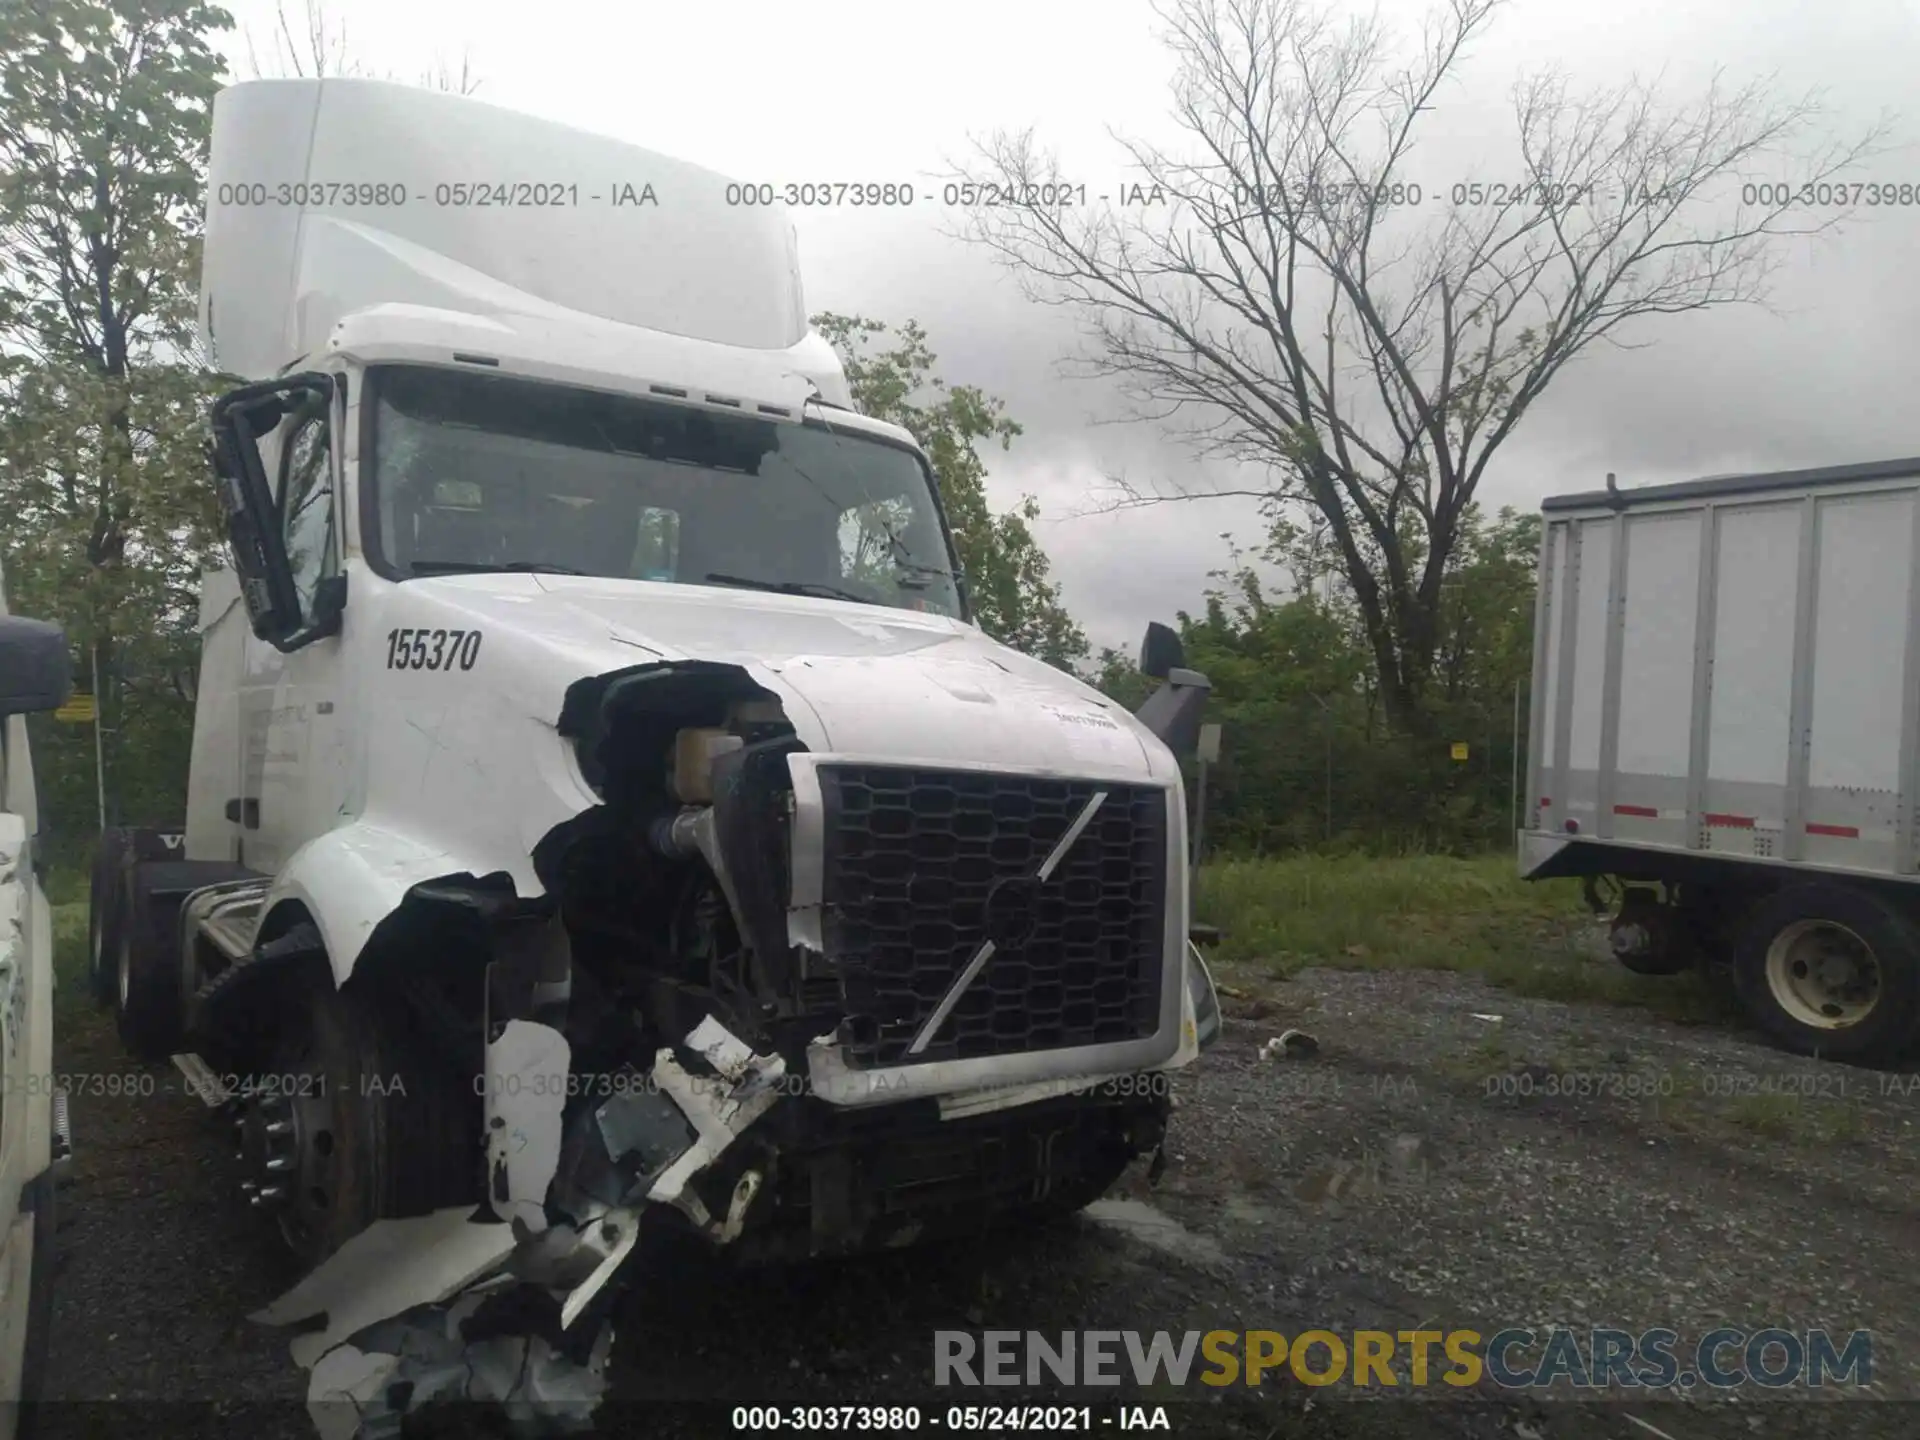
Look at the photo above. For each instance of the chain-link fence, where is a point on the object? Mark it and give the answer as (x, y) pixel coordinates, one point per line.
(1309, 773)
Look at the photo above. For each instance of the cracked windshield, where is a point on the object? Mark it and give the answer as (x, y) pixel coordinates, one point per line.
(478, 472)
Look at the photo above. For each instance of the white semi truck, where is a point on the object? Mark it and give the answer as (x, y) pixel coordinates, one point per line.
(1726, 727)
(602, 808)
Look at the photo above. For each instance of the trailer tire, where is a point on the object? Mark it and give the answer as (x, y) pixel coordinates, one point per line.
(1830, 970)
(147, 998)
(105, 911)
(1713, 918)
(1646, 936)
(380, 1130)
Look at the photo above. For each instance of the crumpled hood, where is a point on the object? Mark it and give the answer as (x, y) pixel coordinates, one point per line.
(856, 679)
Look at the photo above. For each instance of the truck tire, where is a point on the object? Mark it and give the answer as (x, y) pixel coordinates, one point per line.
(1713, 917)
(1831, 970)
(147, 982)
(1647, 936)
(369, 1124)
(111, 857)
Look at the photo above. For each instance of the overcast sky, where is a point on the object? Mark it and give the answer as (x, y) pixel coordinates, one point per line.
(860, 90)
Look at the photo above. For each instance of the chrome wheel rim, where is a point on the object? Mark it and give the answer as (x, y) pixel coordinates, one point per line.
(287, 1139)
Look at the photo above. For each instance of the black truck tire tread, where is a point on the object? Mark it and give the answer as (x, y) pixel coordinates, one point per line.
(106, 910)
(414, 1125)
(1889, 1030)
(149, 1018)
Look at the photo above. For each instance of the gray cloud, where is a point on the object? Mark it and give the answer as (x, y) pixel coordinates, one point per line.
(768, 90)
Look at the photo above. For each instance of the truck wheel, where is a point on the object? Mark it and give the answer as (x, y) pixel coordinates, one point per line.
(147, 972)
(1826, 969)
(105, 911)
(354, 1121)
(1646, 936)
(1713, 918)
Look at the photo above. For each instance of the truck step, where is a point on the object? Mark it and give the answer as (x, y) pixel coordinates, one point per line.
(202, 1083)
(227, 915)
(62, 1136)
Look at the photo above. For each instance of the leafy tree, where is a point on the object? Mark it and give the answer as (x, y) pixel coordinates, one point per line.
(1275, 283)
(1307, 759)
(315, 46)
(1006, 570)
(105, 113)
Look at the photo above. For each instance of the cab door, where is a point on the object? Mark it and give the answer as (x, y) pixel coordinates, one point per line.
(281, 439)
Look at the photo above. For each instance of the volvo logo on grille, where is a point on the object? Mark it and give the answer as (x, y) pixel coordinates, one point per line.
(1013, 910)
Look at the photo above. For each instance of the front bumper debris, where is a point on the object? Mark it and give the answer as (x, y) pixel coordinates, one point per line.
(484, 1305)
(498, 1304)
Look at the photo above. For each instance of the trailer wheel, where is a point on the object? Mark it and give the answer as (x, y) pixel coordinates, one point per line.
(147, 1009)
(353, 1121)
(1646, 936)
(105, 911)
(1713, 919)
(1826, 969)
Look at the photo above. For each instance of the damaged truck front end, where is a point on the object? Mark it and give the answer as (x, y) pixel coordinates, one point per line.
(796, 974)
(787, 1001)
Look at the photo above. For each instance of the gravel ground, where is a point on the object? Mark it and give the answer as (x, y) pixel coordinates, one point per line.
(1450, 1156)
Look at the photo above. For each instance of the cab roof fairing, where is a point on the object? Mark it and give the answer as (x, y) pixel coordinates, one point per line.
(278, 269)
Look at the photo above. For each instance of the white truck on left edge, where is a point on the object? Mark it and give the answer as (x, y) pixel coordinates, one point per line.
(604, 813)
(35, 1146)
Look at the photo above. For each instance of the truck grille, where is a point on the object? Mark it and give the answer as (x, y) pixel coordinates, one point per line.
(922, 867)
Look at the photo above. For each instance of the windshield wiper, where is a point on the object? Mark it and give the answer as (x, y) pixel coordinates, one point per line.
(790, 587)
(912, 575)
(481, 567)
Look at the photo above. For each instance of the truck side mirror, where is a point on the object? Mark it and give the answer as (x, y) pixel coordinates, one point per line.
(36, 672)
(1161, 653)
(240, 418)
(1174, 711)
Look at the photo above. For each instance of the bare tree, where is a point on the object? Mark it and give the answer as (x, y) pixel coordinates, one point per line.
(1295, 304)
(314, 45)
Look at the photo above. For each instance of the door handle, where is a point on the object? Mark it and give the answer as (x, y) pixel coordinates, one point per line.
(244, 812)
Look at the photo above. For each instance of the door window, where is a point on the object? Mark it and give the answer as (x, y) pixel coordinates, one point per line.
(307, 503)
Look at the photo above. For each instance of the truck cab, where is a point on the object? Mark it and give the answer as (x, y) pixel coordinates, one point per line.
(603, 809)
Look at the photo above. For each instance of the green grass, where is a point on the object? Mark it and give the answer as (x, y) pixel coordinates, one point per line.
(1797, 1119)
(67, 885)
(1429, 912)
(69, 958)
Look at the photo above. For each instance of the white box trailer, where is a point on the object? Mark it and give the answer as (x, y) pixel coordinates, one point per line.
(1726, 722)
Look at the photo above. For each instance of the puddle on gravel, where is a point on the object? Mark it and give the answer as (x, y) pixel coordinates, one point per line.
(1408, 1161)
(1244, 1210)
(1140, 1221)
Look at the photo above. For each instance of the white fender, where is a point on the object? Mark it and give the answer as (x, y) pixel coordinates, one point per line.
(352, 878)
